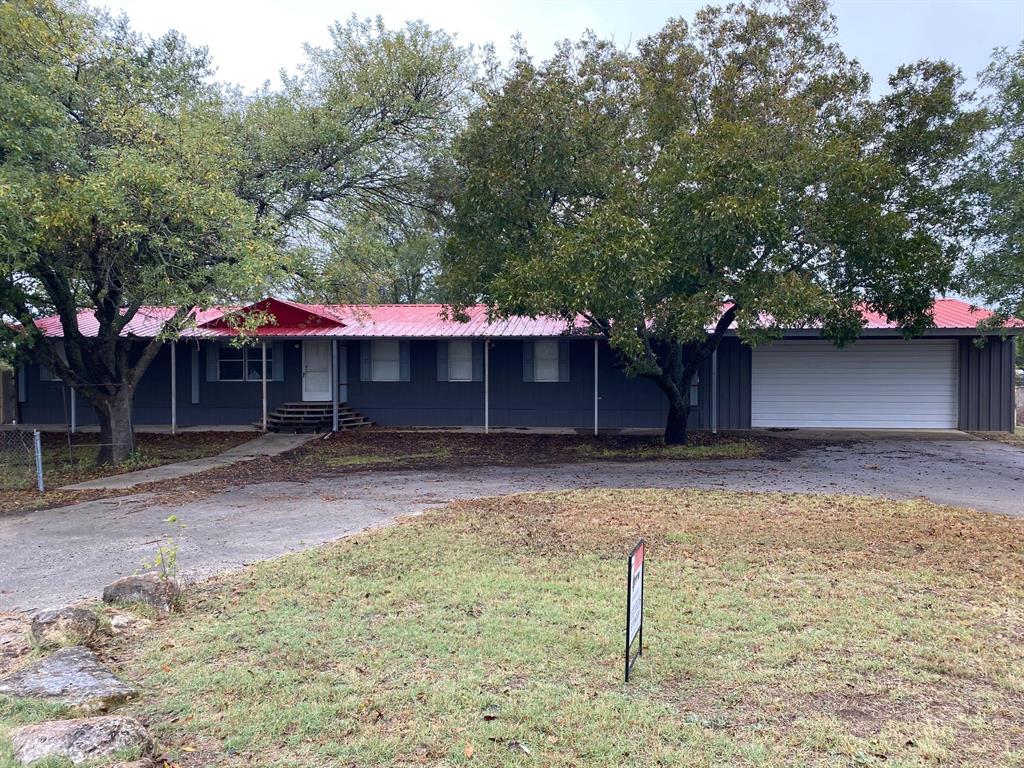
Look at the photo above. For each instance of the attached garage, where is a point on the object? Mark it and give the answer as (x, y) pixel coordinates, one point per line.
(872, 384)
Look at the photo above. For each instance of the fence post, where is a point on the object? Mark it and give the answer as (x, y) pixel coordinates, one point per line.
(38, 441)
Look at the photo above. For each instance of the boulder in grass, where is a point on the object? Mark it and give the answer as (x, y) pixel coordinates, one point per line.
(150, 589)
(73, 677)
(81, 740)
(63, 627)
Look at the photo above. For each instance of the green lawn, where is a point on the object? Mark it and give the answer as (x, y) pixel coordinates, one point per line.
(64, 464)
(782, 630)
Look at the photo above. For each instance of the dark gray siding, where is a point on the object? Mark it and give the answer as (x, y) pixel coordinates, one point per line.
(424, 401)
(986, 385)
(220, 402)
(733, 384)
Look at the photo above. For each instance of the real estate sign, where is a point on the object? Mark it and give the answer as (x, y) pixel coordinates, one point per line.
(634, 605)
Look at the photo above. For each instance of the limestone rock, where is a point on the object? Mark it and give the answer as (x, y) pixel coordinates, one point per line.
(62, 627)
(71, 676)
(124, 622)
(88, 738)
(14, 643)
(148, 588)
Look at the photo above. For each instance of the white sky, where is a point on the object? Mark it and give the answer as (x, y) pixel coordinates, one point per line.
(251, 40)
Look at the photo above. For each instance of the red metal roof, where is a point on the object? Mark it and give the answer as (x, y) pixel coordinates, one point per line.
(417, 321)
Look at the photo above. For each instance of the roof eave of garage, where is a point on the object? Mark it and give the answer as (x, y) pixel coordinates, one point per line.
(895, 333)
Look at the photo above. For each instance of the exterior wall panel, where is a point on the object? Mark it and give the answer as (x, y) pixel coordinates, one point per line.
(986, 385)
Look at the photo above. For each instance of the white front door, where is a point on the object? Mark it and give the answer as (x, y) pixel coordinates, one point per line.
(316, 371)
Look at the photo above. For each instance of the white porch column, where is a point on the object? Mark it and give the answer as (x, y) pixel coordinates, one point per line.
(263, 353)
(74, 411)
(174, 391)
(487, 385)
(334, 385)
(714, 392)
(595, 387)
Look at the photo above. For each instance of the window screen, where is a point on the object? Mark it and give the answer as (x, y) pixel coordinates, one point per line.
(460, 361)
(386, 361)
(545, 361)
(230, 363)
(254, 363)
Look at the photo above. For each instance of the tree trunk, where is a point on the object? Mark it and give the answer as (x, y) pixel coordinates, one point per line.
(675, 425)
(116, 436)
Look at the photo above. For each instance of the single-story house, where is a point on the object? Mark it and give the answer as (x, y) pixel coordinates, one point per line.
(407, 365)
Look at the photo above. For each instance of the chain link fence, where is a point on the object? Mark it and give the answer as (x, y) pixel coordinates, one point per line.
(21, 460)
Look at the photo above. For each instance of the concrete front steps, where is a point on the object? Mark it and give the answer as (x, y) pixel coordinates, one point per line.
(312, 417)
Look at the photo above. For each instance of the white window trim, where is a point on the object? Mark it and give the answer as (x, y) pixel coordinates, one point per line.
(257, 352)
(375, 374)
(468, 345)
(536, 361)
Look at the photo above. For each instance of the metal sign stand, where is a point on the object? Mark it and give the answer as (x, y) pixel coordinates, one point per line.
(634, 604)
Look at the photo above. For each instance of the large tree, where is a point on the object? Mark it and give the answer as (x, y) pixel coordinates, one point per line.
(732, 173)
(995, 270)
(347, 157)
(116, 192)
(128, 179)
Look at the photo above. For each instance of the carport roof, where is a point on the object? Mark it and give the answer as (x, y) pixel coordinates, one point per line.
(356, 321)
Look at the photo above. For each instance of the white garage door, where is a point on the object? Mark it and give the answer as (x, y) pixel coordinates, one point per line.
(890, 384)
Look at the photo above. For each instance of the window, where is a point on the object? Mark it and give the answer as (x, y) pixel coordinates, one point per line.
(545, 361)
(45, 374)
(243, 363)
(231, 363)
(254, 363)
(460, 361)
(386, 364)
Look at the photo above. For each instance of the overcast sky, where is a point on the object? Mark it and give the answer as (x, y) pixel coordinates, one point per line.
(251, 40)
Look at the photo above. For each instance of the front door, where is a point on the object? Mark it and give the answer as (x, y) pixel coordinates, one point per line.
(316, 371)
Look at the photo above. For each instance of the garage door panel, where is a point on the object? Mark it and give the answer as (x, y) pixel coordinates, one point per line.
(872, 384)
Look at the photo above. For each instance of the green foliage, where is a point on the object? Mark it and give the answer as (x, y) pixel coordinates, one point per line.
(118, 176)
(735, 170)
(127, 180)
(349, 157)
(995, 270)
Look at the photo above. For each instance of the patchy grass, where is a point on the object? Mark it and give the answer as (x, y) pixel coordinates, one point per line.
(1015, 439)
(782, 630)
(730, 449)
(401, 449)
(64, 464)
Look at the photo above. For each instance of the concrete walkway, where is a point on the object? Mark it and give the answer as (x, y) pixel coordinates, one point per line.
(51, 557)
(269, 444)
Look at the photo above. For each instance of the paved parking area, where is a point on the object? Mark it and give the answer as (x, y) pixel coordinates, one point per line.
(51, 557)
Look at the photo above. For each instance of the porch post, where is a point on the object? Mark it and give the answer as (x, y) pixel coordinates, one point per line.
(487, 385)
(334, 385)
(714, 392)
(174, 391)
(74, 412)
(595, 387)
(263, 353)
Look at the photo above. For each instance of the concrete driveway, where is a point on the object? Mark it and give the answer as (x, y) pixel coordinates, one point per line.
(52, 557)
